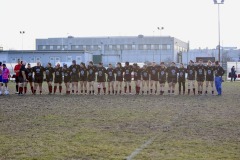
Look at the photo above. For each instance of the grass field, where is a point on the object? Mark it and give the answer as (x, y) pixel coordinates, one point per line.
(112, 127)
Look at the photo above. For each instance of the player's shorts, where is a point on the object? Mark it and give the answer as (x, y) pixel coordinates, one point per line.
(58, 80)
(102, 79)
(4, 80)
(67, 79)
(127, 79)
(82, 78)
(30, 79)
(191, 78)
(200, 79)
(155, 78)
(1, 80)
(119, 79)
(16, 79)
(91, 78)
(181, 80)
(49, 79)
(162, 81)
(20, 80)
(38, 79)
(209, 78)
(146, 78)
(171, 80)
(137, 78)
(75, 78)
(110, 79)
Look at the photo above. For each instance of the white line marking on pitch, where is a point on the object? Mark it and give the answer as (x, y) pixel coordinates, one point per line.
(150, 141)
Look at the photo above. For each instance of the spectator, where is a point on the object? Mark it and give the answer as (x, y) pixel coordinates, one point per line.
(233, 74)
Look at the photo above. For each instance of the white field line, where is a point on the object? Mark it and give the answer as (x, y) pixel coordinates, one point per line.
(150, 141)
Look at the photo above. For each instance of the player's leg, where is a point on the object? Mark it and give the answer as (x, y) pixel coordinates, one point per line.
(104, 88)
(112, 85)
(156, 84)
(120, 87)
(207, 84)
(212, 86)
(143, 86)
(40, 87)
(173, 87)
(169, 87)
(109, 87)
(85, 87)
(151, 86)
(92, 84)
(179, 86)
(81, 87)
(116, 87)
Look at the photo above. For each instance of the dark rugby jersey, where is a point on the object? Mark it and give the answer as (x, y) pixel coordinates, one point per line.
(83, 72)
(162, 73)
(145, 74)
(49, 72)
(128, 71)
(137, 73)
(91, 71)
(209, 71)
(172, 72)
(200, 69)
(153, 71)
(110, 73)
(29, 72)
(182, 73)
(22, 69)
(101, 72)
(191, 71)
(119, 72)
(66, 73)
(58, 73)
(38, 71)
(219, 71)
(74, 69)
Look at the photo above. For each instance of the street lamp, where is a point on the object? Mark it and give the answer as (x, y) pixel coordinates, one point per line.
(160, 52)
(22, 33)
(218, 2)
(160, 29)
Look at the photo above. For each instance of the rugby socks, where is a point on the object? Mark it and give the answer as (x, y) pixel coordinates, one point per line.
(183, 92)
(60, 89)
(188, 91)
(130, 89)
(212, 92)
(104, 90)
(50, 89)
(172, 91)
(205, 92)
(112, 91)
(109, 92)
(115, 92)
(85, 91)
(81, 91)
(25, 90)
(20, 90)
(40, 92)
(72, 91)
(194, 91)
(147, 92)
(99, 89)
(151, 91)
(155, 91)
(55, 89)
(120, 91)
(169, 92)
(125, 89)
(17, 88)
(92, 91)
(32, 89)
(142, 92)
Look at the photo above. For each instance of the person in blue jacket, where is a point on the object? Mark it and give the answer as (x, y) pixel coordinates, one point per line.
(219, 72)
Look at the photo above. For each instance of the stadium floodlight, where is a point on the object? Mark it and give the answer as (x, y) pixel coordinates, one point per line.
(218, 2)
(22, 33)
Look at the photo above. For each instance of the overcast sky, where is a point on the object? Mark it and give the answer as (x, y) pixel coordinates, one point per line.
(188, 20)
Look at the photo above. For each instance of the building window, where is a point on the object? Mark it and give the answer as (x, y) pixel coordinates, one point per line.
(88, 48)
(59, 47)
(44, 47)
(168, 47)
(122, 47)
(126, 47)
(109, 47)
(65, 47)
(114, 47)
(160, 47)
(133, 47)
(129, 46)
(164, 47)
(69, 58)
(106, 47)
(118, 47)
(95, 47)
(51, 47)
(140, 46)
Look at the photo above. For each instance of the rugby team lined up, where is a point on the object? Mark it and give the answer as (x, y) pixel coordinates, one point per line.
(146, 79)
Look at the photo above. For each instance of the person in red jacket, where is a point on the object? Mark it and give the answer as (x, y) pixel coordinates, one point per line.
(16, 71)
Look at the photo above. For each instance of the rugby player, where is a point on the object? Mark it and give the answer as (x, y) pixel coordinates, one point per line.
(172, 77)
(200, 69)
(145, 78)
(74, 71)
(101, 78)
(209, 76)
(5, 78)
(16, 71)
(162, 77)
(49, 70)
(119, 77)
(91, 77)
(153, 71)
(29, 74)
(181, 78)
(127, 77)
(191, 76)
(110, 78)
(67, 78)
(219, 72)
(58, 75)
(22, 78)
(38, 77)
(1, 84)
(137, 77)
(83, 77)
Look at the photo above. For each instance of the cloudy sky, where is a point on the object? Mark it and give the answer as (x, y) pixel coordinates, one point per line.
(188, 20)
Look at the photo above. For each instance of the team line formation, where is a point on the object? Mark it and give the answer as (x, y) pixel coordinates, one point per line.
(146, 79)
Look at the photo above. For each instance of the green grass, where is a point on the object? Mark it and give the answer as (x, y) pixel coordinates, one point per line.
(112, 127)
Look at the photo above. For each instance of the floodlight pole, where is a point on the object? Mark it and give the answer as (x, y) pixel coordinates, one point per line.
(22, 33)
(219, 25)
